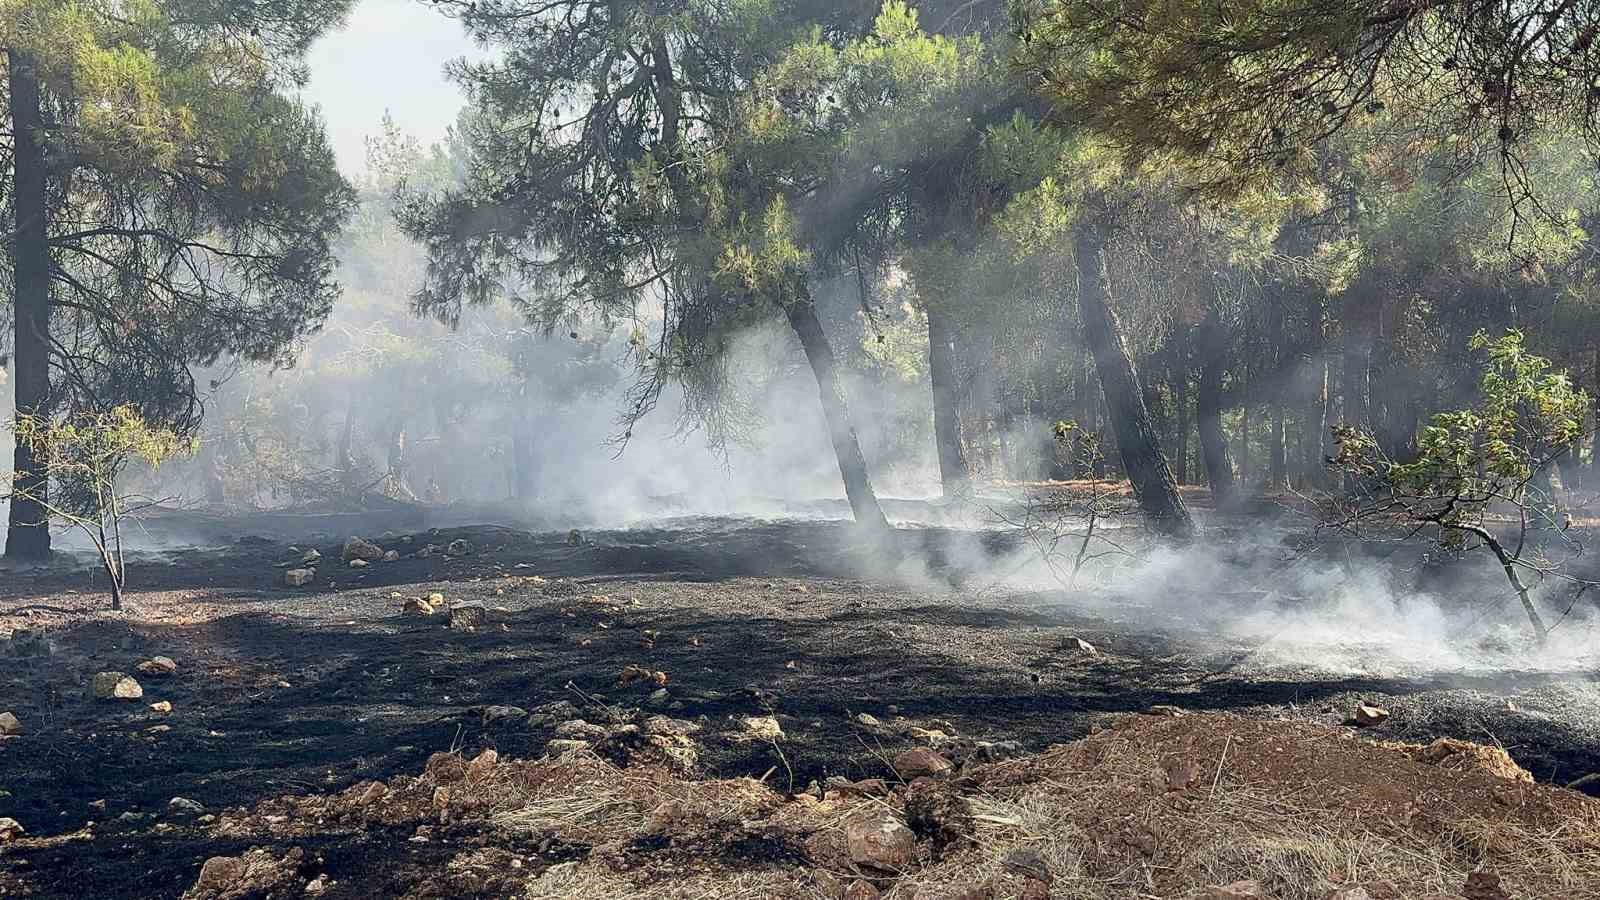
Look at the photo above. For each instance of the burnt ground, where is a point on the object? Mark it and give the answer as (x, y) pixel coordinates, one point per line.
(288, 691)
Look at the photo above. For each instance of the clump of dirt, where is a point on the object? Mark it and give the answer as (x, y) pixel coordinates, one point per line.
(1148, 807)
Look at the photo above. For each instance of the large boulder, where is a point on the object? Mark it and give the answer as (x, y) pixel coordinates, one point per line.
(299, 577)
(362, 549)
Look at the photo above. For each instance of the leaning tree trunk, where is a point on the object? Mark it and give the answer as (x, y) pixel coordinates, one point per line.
(946, 420)
(28, 534)
(802, 313)
(1214, 453)
(1142, 459)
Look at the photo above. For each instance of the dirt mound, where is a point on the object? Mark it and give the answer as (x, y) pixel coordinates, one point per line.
(1149, 807)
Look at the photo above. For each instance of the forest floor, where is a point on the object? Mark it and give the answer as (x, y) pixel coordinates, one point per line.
(1101, 746)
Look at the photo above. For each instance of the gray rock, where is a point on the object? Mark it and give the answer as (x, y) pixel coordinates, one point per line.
(158, 666)
(9, 724)
(299, 577)
(115, 686)
(469, 614)
(185, 806)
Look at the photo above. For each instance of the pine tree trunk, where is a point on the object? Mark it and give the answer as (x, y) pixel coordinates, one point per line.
(1319, 448)
(28, 534)
(1137, 441)
(1214, 453)
(1244, 444)
(802, 315)
(946, 419)
(1277, 431)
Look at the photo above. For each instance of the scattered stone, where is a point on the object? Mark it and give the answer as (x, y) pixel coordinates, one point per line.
(880, 841)
(563, 746)
(458, 547)
(938, 814)
(10, 724)
(158, 666)
(11, 828)
(374, 793)
(482, 764)
(922, 762)
(1457, 755)
(1028, 863)
(468, 614)
(28, 642)
(115, 686)
(359, 548)
(257, 873)
(298, 578)
(435, 599)
(868, 720)
(1079, 645)
(861, 890)
(574, 538)
(1367, 715)
(1171, 712)
(578, 728)
(359, 564)
(185, 806)
(161, 706)
(311, 557)
(1484, 886)
(665, 725)
(503, 714)
(632, 674)
(416, 606)
(760, 728)
(391, 556)
(658, 697)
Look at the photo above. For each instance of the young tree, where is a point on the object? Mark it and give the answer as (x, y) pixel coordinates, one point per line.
(171, 205)
(88, 454)
(1481, 476)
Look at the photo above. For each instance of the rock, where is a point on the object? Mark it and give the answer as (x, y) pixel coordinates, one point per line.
(578, 728)
(938, 814)
(658, 697)
(311, 557)
(115, 686)
(161, 706)
(563, 746)
(861, 890)
(1367, 715)
(359, 564)
(880, 841)
(10, 828)
(435, 599)
(1028, 863)
(1182, 772)
(358, 548)
(1457, 755)
(468, 614)
(416, 606)
(255, 874)
(1079, 645)
(157, 667)
(922, 762)
(665, 725)
(391, 556)
(1162, 709)
(458, 547)
(1239, 890)
(28, 642)
(1484, 886)
(482, 764)
(185, 806)
(374, 793)
(868, 720)
(760, 728)
(298, 578)
(574, 538)
(503, 714)
(10, 724)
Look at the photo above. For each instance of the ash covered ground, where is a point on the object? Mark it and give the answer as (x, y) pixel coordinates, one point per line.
(282, 690)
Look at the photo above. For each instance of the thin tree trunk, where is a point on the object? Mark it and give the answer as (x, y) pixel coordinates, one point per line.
(953, 473)
(1244, 443)
(1142, 459)
(1214, 453)
(802, 315)
(28, 534)
(1320, 446)
(1277, 433)
(1178, 378)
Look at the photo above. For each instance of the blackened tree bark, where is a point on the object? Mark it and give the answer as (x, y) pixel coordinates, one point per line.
(1277, 428)
(802, 313)
(1214, 453)
(1320, 446)
(1137, 441)
(946, 419)
(28, 532)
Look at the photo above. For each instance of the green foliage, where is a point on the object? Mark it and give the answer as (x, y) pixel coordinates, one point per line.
(1470, 459)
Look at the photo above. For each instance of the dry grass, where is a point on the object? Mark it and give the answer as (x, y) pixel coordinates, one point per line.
(1150, 808)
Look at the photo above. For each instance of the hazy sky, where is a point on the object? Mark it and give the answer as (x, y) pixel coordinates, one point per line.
(389, 56)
